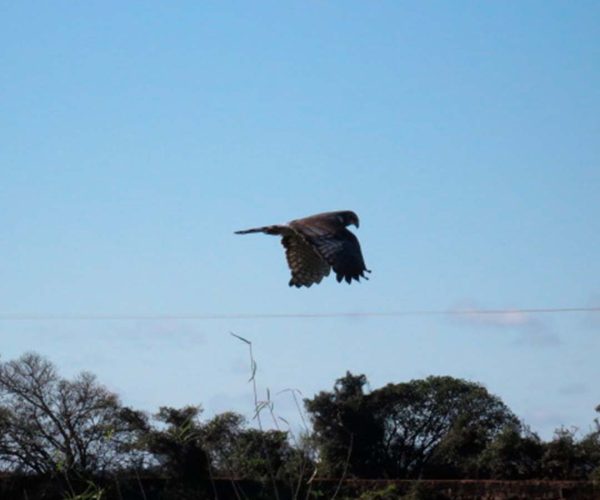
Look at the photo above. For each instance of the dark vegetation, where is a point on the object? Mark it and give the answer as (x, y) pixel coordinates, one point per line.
(74, 439)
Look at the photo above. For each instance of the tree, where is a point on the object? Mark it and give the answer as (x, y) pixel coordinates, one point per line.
(178, 445)
(241, 452)
(562, 456)
(567, 457)
(437, 420)
(593, 443)
(515, 453)
(51, 424)
(220, 435)
(423, 427)
(348, 433)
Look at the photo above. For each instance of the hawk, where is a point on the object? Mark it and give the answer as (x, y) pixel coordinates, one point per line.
(313, 245)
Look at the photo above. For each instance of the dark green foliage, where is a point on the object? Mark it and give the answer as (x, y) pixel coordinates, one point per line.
(256, 452)
(388, 492)
(178, 447)
(241, 452)
(347, 431)
(416, 429)
(77, 441)
(438, 421)
(566, 457)
(513, 454)
(220, 436)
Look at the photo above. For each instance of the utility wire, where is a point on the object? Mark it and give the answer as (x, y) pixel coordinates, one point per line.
(309, 315)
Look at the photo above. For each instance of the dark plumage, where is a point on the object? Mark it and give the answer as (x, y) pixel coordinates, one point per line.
(313, 245)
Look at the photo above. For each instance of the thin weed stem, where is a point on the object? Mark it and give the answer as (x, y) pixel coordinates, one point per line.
(258, 408)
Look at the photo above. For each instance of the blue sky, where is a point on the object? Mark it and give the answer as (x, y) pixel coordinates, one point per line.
(136, 137)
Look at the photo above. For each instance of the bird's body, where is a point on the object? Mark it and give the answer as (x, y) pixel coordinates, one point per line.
(313, 245)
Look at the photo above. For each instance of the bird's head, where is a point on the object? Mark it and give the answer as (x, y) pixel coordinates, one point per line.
(347, 217)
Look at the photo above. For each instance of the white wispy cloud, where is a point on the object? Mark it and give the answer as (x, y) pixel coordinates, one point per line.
(530, 328)
(471, 313)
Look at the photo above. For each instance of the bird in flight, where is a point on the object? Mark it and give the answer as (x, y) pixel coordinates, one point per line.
(313, 245)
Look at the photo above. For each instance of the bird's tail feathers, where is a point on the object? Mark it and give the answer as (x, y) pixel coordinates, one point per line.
(264, 229)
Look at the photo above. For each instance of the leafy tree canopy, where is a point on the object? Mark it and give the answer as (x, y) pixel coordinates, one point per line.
(405, 429)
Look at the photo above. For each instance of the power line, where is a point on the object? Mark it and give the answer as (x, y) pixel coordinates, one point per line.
(309, 315)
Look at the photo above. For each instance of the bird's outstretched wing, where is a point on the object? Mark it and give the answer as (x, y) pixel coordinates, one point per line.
(306, 265)
(342, 251)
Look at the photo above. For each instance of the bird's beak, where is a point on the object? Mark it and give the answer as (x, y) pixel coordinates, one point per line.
(356, 223)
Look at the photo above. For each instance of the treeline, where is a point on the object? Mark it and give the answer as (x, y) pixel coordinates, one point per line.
(76, 435)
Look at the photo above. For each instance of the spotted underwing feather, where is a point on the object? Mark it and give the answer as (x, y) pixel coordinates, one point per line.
(306, 265)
